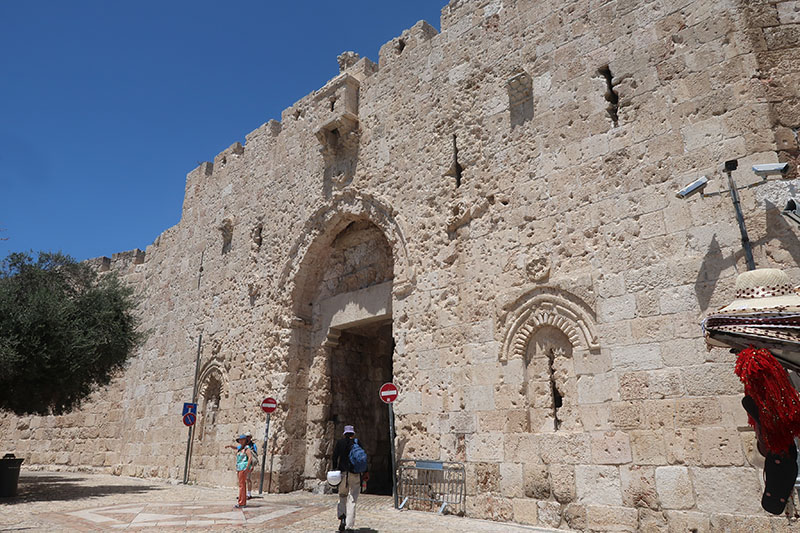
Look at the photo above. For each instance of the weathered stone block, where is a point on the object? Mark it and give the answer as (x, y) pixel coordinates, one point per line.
(525, 511)
(711, 380)
(574, 448)
(562, 483)
(490, 507)
(637, 357)
(697, 412)
(607, 518)
(487, 477)
(485, 447)
(720, 447)
(675, 488)
(511, 481)
(611, 447)
(638, 487)
(634, 385)
(719, 490)
(648, 447)
(597, 389)
(575, 516)
(536, 479)
(598, 484)
(732, 523)
(616, 308)
(521, 448)
(549, 513)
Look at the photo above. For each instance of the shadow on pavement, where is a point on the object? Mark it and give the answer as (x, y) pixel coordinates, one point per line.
(38, 488)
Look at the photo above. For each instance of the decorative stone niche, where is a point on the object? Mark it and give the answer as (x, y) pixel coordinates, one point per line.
(546, 328)
(210, 394)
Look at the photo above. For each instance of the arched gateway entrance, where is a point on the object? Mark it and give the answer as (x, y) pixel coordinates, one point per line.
(342, 348)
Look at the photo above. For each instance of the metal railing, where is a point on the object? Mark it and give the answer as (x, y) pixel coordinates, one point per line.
(431, 485)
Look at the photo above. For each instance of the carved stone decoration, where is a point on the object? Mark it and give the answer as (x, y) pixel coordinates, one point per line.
(462, 213)
(548, 306)
(538, 269)
(459, 215)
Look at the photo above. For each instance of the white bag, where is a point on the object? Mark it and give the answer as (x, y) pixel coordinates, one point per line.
(334, 477)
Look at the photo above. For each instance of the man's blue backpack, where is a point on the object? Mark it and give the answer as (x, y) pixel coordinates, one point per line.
(358, 458)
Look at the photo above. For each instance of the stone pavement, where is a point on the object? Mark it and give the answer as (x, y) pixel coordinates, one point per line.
(63, 501)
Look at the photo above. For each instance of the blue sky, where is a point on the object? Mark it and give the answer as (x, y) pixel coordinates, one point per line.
(106, 105)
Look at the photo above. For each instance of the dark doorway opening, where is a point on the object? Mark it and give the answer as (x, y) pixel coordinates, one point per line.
(360, 364)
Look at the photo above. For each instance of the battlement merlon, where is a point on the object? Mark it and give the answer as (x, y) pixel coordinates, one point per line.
(120, 262)
(335, 107)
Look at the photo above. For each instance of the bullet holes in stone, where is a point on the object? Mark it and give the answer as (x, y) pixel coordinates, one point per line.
(455, 169)
(611, 95)
(257, 237)
(227, 236)
(520, 98)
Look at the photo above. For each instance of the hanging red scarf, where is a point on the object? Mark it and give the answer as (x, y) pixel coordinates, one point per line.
(767, 382)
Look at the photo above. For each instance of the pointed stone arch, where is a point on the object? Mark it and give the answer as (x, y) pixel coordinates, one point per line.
(212, 370)
(324, 323)
(211, 386)
(321, 228)
(548, 306)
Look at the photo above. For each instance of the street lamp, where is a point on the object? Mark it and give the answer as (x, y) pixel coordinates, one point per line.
(765, 170)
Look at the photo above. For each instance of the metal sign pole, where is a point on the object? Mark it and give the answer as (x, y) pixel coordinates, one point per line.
(194, 400)
(394, 466)
(264, 458)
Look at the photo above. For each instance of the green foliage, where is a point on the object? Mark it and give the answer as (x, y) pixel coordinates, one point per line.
(64, 331)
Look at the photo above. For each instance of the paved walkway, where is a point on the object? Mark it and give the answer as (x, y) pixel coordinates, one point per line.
(60, 501)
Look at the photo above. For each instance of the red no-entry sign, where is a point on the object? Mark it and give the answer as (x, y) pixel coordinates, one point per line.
(388, 392)
(269, 405)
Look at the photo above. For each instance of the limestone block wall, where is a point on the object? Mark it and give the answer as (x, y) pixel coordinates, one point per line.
(547, 286)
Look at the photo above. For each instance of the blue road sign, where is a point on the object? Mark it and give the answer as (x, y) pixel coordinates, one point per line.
(189, 408)
(189, 418)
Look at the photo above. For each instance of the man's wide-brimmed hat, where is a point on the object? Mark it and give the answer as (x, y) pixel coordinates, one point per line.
(764, 314)
(764, 288)
(349, 429)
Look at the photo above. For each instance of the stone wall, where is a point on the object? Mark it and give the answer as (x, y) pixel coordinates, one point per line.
(546, 284)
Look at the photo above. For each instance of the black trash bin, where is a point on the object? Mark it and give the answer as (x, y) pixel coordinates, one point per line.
(9, 475)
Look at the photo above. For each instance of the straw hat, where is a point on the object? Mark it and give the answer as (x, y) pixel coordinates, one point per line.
(763, 288)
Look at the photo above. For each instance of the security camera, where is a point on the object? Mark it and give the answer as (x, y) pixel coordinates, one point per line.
(693, 188)
(771, 169)
(791, 211)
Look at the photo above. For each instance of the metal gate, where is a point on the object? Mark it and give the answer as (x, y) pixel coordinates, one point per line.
(431, 485)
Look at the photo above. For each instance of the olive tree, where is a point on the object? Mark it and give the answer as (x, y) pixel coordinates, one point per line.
(64, 331)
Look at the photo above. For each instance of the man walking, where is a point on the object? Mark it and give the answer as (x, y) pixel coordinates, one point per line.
(350, 486)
